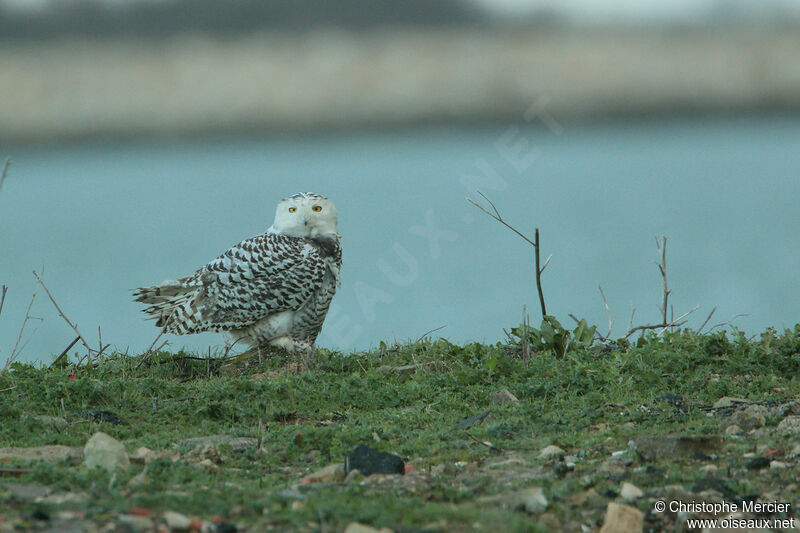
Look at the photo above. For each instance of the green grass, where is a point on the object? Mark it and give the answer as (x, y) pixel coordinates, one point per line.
(588, 403)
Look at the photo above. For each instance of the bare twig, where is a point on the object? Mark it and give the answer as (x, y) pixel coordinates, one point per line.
(497, 217)
(60, 312)
(653, 326)
(494, 207)
(4, 175)
(8, 389)
(100, 342)
(429, 332)
(526, 352)
(539, 271)
(14, 352)
(630, 322)
(64, 353)
(662, 267)
(228, 348)
(483, 442)
(150, 351)
(546, 262)
(667, 321)
(495, 214)
(672, 315)
(721, 324)
(676, 323)
(4, 290)
(707, 319)
(96, 357)
(608, 313)
(30, 337)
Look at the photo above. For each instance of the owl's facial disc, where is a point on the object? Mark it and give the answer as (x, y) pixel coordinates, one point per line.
(305, 215)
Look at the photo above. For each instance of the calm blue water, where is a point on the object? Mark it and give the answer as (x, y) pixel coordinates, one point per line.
(103, 219)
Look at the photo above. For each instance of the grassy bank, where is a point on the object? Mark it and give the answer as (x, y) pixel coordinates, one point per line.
(470, 452)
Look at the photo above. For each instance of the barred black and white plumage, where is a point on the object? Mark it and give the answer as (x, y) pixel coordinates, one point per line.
(272, 289)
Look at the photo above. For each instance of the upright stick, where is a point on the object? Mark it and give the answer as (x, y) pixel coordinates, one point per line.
(539, 271)
(495, 214)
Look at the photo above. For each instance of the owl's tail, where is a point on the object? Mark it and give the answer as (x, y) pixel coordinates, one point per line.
(173, 305)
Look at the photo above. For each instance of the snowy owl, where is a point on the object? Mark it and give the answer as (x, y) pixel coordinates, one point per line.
(273, 289)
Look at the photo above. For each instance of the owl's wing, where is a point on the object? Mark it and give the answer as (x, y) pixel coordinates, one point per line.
(263, 275)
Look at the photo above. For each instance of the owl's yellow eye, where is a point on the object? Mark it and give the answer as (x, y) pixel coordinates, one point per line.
(316, 208)
(292, 209)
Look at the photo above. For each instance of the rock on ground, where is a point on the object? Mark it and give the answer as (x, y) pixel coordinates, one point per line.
(729, 401)
(504, 397)
(733, 430)
(551, 452)
(330, 474)
(369, 461)
(622, 519)
(236, 443)
(355, 527)
(177, 521)
(48, 454)
(144, 455)
(789, 425)
(750, 418)
(531, 500)
(795, 452)
(630, 492)
(106, 452)
(26, 493)
(665, 446)
(136, 524)
(54, 421)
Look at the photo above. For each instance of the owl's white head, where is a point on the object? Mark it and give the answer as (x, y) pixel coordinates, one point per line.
(305, 214)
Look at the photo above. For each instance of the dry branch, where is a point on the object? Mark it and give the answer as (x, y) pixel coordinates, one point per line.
(60, 312)
(535, 243)
(674, 323)
(14, 352)
(707, 319)
(539, 271)
(662, 267)
(727, 322)
(526, 349)
(4, 290)
(630, 322)
(488, 444)
(4, 175)
(67, 349)
(228, 347)
(149, 353)
(666, 323)
(608, 314)
(429, 332)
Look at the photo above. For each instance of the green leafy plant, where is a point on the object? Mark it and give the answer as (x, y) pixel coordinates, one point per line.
(552, 336)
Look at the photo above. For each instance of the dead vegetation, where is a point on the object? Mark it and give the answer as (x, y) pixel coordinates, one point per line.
(668, 320)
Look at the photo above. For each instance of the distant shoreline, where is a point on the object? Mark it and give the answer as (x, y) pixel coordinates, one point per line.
(296, 84)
